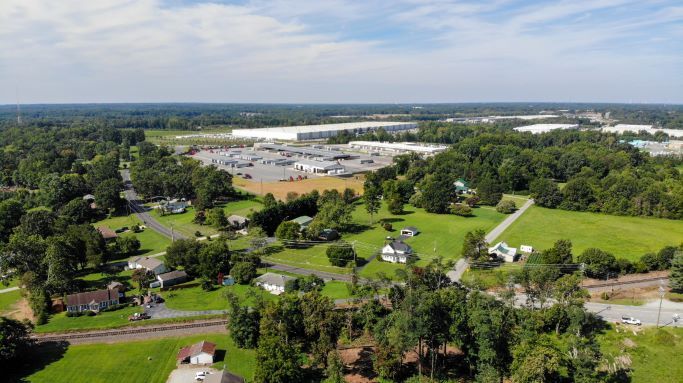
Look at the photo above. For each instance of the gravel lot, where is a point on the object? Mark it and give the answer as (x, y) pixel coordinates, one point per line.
(186, 375)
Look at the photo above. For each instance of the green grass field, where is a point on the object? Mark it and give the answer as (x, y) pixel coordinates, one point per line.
(656, 356)
(194, 298)
(625, 237)
(440, 235)
(8, 300)
(151, 242)
(147, 361)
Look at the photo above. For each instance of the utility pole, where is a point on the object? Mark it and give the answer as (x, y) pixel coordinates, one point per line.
(661, 297)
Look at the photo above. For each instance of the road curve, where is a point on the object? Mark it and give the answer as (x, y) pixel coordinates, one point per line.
(142, 212)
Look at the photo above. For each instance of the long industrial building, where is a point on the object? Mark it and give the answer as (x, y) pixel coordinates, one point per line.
(544, 128)
(315, 132)
(623, 128)
(397, 147)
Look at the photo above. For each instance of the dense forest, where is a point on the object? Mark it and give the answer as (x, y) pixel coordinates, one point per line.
(197, 116)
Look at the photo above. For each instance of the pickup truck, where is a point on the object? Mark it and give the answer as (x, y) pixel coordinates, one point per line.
(138, 316)
(630, 320)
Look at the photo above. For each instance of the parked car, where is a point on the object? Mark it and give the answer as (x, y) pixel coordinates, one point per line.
(138, 316)
(247, 176)
(201, 375)
(630, 320)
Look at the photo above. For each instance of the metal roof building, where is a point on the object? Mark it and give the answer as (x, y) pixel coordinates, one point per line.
(315, 132)
(397, 147)
(544, 128)
(306, 151)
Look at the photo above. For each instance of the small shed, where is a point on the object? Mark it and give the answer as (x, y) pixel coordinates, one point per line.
(328, 235)
(303, 221)
(107, 233)
(198, 353)
(172, 278)
(409, 231)
(526, 249)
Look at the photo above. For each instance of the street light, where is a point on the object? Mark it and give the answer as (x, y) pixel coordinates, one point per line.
(661, 297)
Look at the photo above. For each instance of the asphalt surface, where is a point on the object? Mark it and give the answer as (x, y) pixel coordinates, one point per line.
(498, 230)
(9, 290)
(142, 212)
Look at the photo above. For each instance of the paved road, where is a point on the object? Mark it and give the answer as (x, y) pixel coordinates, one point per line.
(9, 290)
(498, 230)
(458, 271)
(142, 212)
(647, 313)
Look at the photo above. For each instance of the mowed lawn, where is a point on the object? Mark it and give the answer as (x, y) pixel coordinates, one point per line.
(194, 298)
(9, 299)
(184, 224)
(625, 237)
(149, 361)
(151, 242)
(440, 235)
(655, 353)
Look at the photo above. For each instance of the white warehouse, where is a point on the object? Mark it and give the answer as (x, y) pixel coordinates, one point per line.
(315, 132)
(544, 128)
(319, 167)
(397, 147)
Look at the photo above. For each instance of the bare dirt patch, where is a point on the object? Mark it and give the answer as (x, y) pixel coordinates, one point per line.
(280, 189)
(20, 311)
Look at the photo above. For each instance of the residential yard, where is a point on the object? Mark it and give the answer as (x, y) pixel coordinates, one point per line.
(194, 298)
(625, 237)
(336, 290)
(183, 223)
(60, 322)
(151, 242)
(149, 361)
(8, 300)
(655, 353)
(440, 235)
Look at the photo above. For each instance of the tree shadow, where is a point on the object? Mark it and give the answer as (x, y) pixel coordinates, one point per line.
(391, 220)
(39, 357)
(356, 228)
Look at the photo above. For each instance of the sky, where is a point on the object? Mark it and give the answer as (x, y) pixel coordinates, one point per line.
(341, 51)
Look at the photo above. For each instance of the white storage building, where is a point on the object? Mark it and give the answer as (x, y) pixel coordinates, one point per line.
(397, 147)
(316, 132)
(544, 128)
(319, 167)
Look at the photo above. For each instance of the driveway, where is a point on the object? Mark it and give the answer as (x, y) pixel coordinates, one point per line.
(160, 311)
(186, 375)
(498, 230)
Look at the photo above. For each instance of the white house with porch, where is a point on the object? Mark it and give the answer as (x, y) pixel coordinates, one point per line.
(396, 252)
(502, 251)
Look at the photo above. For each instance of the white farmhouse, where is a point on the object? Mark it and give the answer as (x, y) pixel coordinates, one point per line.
(396, 252)
(151, 264)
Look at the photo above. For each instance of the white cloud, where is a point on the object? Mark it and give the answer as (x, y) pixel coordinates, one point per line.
(338, 51)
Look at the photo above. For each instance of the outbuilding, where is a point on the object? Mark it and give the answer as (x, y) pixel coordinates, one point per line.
(171, 278)
(199, 353)
(409, 231)
(502, 251)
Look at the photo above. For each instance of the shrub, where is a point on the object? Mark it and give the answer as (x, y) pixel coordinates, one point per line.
(73, 314)
(340, 254)
(206, 284)
(472, 201)
(605, 296)
(461, 210)
(387, 226)
(89, 313)
(506, 207)
(243, 272)
(197, 233)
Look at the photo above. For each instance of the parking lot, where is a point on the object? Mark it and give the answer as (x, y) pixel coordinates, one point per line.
(260, 172)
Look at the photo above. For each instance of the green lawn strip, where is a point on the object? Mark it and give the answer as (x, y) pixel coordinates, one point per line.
(194, 298)
(655, 356)
(9, 299)
(108, 320)
(625, 237)
(151, 242)
(139, 361)
(336, 290)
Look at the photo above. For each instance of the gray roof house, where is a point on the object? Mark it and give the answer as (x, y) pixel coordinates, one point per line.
(396, 252)
(273, 283)
(172, 278)
(303, 221)
(147, 263)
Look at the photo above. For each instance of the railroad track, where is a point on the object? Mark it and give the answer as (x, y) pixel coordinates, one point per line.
(619, 283)
(128, 331)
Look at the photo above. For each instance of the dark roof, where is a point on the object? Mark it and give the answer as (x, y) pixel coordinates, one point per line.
(92, 296)
(223, 377)
(172, 275)
(196, 349)
(400, 246)
(106, 232)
